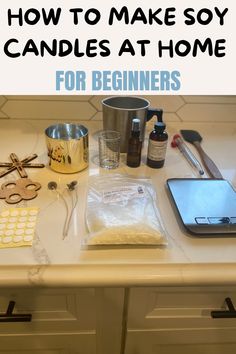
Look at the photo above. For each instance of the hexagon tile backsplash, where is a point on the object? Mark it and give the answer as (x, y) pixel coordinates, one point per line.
(176, 108)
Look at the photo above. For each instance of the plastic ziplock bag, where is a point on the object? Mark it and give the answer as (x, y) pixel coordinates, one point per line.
(122, 210)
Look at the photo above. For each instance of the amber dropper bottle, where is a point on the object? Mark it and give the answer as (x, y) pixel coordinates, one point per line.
(157, 145)
(134, 145)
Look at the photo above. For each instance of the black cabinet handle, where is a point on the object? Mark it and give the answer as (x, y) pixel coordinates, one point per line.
(10, 317)
(230, 313)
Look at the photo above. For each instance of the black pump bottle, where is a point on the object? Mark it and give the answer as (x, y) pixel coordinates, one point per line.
(134, 145)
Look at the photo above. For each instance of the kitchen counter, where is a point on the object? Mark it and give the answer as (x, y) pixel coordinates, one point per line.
(52, 261)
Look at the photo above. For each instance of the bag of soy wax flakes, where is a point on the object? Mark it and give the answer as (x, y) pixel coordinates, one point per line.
(122, 210)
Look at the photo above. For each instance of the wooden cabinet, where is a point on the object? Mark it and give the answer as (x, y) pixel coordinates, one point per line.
(81, 321)
(48, 343)
(158, 320)
(167, 320)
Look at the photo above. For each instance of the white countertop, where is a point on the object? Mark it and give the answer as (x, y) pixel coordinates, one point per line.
(52, 261)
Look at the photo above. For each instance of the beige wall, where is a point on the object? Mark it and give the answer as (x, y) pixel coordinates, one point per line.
(176, 108)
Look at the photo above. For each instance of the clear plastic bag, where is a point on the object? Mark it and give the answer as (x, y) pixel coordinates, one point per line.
(122, 210)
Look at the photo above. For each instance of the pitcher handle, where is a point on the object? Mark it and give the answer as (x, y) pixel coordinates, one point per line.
(155, 112)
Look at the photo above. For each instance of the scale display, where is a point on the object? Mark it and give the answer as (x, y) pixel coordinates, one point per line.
(205, 206)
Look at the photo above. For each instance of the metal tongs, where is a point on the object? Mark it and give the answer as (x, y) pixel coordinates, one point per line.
(178, 142)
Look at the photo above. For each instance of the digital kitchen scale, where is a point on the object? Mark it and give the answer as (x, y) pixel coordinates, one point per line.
(205, 206)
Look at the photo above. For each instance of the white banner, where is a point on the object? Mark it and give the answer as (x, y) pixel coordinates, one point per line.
(106, 47)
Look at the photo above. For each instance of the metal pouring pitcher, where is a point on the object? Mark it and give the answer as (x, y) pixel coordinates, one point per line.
(119, 111)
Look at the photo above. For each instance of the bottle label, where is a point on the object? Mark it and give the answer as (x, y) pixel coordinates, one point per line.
(157, 150)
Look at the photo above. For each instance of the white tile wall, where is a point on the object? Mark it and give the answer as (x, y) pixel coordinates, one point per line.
(49, 98)
(209, 99)
(199, 112)
(176, 108)
(48, 109)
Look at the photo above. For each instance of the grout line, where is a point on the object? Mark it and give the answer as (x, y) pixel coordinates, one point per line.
(1, 108)
(93, 105)
(181, 120)
(91, 118)
(182, 97)
(45, 99)
(211, 103)
(124, 321)
(5, 100)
